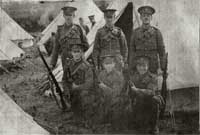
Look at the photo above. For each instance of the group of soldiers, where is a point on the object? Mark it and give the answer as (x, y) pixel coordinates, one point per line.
(114, 80)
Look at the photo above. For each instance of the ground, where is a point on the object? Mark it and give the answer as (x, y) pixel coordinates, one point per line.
(22, 87)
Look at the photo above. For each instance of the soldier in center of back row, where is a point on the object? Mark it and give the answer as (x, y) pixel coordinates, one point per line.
(110, 40)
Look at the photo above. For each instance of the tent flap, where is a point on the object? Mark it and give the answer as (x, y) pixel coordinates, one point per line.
(15, 121)
(9, 29)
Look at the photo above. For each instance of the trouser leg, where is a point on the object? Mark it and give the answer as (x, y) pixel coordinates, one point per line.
(155, 116)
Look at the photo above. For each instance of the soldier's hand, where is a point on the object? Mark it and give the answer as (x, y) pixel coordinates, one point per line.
(74, 86)
(134, 88)
(159, 71)
(102, 85)
(125, 66)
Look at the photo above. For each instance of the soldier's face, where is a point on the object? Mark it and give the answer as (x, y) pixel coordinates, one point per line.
(77, 54)
(68, 19)
(109, 20)
(109, 66)
(92, 20)
(146, 18)
(142, 68)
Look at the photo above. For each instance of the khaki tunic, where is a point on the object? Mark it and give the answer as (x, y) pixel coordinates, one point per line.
(65, 37)
(147, 42)
(112, 107)
(83, 78)
(146, 103)
(109, 41)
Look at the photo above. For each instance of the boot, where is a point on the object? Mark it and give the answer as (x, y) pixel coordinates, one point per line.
(155, 119)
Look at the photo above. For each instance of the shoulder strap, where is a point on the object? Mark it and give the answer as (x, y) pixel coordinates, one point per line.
(81, 36)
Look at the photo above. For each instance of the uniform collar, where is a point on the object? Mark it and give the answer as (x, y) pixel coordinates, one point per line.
(109, 27)
(68, 26)
(78, 61)
(110, 73)
(145, 74)
(146, 27)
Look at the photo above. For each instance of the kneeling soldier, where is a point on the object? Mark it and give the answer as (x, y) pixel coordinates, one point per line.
(78, 76)
(111, 82)
(146, 100)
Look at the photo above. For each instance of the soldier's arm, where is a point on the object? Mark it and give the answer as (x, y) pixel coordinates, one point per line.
(66, 81)
(56, 50)
(87, 30)
(83, 37)
(145, 92)
(132, 47)
(149, 91)
(87, 85)
(123, 46)
(161, 48)
(152, 87)
(96, 49)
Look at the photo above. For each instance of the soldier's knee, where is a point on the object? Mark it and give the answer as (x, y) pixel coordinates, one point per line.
(157, 101)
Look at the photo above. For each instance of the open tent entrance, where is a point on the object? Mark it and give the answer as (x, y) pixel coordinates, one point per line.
(125, 21)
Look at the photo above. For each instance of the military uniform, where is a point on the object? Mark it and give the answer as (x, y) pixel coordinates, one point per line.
(110, 41)
(112, 109)
(148, 41)
(80, 74)
(147, 102)
(65, 37)
(113, 80)
(49, 45)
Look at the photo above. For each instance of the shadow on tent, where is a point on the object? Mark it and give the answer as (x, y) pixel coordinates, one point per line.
(125, 22)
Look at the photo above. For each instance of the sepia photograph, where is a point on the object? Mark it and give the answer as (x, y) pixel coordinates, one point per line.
(99, 67)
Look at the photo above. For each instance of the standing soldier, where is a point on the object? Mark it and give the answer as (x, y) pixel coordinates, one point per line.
(147, 40)
(67, 34)
(110, 40)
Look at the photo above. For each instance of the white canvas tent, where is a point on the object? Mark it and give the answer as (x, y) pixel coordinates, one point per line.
(14, 121)
(8, 50)
(85, 8)
(9, 29)
(3, 57)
